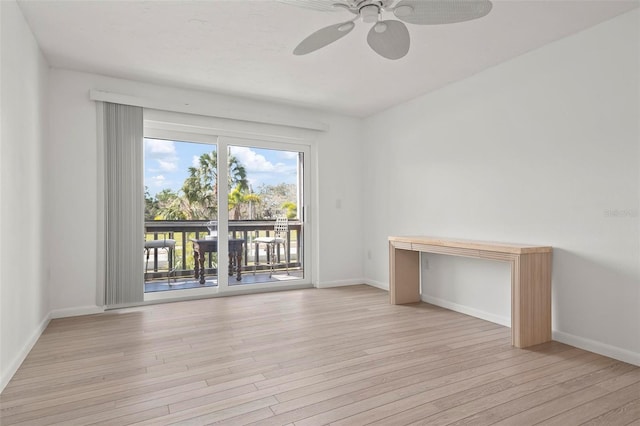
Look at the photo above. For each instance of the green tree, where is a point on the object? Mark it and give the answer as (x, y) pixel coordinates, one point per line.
(200, 188)
(241, 203)
(274, 198)
(171, 206)
(151, 206)
(291, 209)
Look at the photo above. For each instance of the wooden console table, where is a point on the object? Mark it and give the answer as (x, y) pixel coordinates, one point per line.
(530, 279)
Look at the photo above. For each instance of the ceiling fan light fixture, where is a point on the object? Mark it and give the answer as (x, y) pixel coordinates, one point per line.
(347, 26)
(380, 27)
(341, 6)
(369, 13)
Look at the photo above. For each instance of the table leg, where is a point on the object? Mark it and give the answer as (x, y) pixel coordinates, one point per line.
(256, 257)
(201, 259)
(196, 268)
(231, 263)
(404, 276)
(531, 299)
(239, 267)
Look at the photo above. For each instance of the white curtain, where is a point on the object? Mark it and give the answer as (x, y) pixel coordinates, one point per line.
(122, 132)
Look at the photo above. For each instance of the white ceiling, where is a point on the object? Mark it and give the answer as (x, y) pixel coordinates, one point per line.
(243, 47)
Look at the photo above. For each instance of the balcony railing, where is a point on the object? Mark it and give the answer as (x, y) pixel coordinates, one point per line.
(252, 259)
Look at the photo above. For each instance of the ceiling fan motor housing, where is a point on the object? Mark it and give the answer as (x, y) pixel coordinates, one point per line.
(365, 7)
(369, 13)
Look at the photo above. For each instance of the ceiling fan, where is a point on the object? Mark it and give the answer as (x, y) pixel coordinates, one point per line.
(388, 38)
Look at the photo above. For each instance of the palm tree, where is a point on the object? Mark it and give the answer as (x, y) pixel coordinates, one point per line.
(200, 189)
(169, 206)
(238, 199)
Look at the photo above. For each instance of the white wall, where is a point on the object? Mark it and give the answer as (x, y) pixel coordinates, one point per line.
(543, 149)
(24, 297)
(71, 176)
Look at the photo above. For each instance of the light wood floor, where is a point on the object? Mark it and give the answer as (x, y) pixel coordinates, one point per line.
(309, 357)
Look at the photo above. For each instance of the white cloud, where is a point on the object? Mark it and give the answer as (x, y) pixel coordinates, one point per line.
(167, 166)
(195, 161)
(160, 149)
(157, 180)
(252, 161)
(288, 155)
(164, 152)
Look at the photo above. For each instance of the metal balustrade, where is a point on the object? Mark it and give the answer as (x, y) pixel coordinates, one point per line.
(252, 259)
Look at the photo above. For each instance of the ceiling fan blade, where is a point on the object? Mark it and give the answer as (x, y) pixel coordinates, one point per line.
(434, 12)
(323, 37)
(321, 5)
(389, 39)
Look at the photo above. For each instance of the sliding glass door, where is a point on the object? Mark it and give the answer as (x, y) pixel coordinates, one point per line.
(181, 209)
(266, 187)
(211, 228)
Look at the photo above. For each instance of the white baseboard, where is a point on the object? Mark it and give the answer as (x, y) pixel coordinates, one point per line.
(17, 361)
(341, 283)
(597, 347)
(559, 336)
(377, 284)
(74, 312)
(487, 316)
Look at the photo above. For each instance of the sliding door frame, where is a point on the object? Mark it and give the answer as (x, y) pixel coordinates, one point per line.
(303, 208)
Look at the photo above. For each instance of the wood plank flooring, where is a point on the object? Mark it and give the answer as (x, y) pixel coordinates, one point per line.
(340, 356)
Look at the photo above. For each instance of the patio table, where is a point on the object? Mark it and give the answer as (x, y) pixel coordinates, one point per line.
(202, 246)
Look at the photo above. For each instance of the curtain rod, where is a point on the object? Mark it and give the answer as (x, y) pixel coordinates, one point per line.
(99, 95)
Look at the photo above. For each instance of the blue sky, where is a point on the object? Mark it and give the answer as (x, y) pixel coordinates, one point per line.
(166, 163)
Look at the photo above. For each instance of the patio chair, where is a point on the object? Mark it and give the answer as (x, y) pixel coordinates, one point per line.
(280, 231)
(167, 244)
